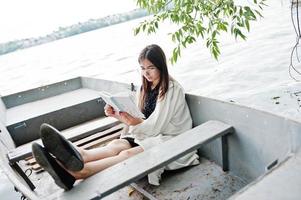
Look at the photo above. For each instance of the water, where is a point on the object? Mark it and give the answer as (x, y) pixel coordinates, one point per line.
(248, 72)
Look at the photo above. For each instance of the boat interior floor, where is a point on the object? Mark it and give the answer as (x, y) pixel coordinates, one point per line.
(204, 181)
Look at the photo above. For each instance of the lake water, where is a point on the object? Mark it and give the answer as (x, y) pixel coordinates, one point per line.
(250, 72)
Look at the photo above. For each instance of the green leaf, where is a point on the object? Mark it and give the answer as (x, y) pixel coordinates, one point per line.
(214, 34)
(247, 25)
(223, 26)
(258, 13)
(144, 27)
(208, 43)
(136, 30)
(173, 37)
(249, 13)
(177, 36)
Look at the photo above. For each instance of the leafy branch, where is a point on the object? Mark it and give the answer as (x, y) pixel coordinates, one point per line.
(200, 18)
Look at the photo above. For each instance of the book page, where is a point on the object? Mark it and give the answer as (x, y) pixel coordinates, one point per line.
(122, 102)
(107, 98)
(127, 104)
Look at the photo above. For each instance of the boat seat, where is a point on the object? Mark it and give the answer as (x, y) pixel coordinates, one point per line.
(134, 168)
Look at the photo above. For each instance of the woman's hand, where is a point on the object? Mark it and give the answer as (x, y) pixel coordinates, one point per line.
(109, 111)
(122, 116)
(129, 119)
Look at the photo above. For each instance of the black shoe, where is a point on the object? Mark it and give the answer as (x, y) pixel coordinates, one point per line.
(61, 177)
(61, 148)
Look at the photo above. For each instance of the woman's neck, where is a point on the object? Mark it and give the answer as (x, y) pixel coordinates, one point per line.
(154, 84)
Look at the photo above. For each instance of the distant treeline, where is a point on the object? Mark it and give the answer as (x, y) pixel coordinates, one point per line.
(74, 29)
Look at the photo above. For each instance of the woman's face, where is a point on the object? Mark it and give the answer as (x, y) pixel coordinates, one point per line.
(150, 72)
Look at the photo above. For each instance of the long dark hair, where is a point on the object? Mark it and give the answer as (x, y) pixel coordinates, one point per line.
(156, 56)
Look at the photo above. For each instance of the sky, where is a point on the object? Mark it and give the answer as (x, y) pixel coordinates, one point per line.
(31, 18)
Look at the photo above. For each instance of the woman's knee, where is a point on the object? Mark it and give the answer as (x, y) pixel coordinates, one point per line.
(116, 142)
(126, 153)
(130, 152)
(118, 145)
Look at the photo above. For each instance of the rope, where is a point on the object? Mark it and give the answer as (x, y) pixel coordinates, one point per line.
(296, 24)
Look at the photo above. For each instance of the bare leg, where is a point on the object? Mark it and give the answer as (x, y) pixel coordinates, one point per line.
(111, 149)
(93, 167)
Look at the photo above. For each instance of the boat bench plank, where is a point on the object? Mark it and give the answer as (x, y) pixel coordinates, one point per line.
(134, 168)
(90, 139)
(37, 108)
(103, 140)
(73, 134)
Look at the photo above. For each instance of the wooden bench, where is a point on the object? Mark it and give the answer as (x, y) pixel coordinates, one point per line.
(94, 129)
(134, 168)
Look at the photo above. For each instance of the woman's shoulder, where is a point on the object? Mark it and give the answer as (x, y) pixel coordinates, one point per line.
(176, 86)
(174, 83)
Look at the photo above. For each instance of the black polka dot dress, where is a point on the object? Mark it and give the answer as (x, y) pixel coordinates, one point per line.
(150, 102)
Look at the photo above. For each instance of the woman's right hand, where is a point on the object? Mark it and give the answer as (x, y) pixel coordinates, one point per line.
(109, 111)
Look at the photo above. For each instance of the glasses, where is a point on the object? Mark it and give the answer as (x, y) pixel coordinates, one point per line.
(148, 68)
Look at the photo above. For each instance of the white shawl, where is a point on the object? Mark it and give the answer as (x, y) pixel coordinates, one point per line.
(170, 118)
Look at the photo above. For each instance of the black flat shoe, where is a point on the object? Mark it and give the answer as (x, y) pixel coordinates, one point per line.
(61, 177)
(61, 148)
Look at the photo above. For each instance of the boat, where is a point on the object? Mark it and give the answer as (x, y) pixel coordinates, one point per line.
(253, 154)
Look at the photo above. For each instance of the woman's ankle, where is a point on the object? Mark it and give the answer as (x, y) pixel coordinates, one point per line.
(84, 173)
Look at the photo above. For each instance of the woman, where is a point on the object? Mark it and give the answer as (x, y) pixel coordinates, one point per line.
(162, 101)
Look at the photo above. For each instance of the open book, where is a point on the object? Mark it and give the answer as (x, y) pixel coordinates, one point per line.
(122, 102)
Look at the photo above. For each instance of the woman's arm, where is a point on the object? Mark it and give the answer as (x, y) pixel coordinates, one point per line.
(122, 116)
(170, 117)
(129, 119)
(162, 114)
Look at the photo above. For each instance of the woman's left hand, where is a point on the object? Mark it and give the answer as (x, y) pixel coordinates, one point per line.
(129, 119)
